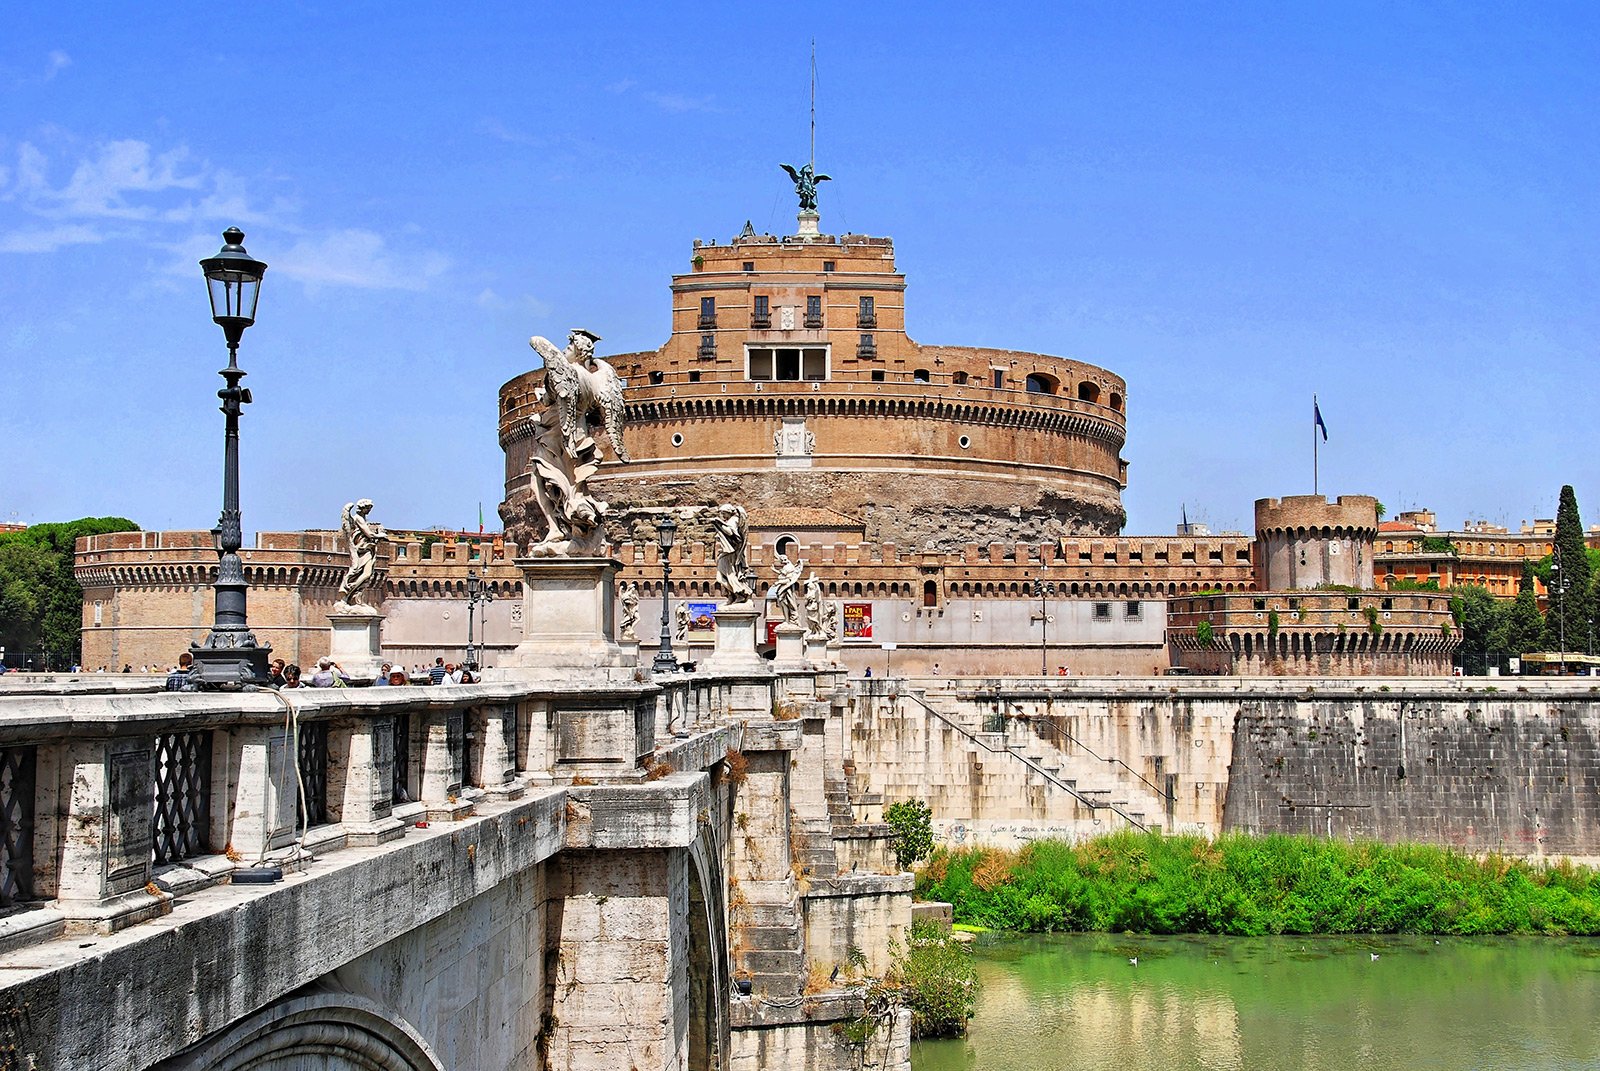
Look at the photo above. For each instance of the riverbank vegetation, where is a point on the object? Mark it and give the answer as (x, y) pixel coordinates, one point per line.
(938, 981)
(1249, 885)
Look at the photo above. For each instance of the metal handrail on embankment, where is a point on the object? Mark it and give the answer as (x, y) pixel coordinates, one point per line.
(1062, 732)
(1093, 805)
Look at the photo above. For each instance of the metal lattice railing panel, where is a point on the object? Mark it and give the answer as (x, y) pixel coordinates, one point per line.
(16, 824)
(402, 759)
(182, 821)
(509, 725)
(314, 770)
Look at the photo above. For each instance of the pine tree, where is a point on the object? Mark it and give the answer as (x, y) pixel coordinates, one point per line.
(1567, 612)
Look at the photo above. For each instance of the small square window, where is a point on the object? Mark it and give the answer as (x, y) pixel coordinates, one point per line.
(1259, 604)
(999, 378)
(1132, 611)
(877, 375)
(827, 265)
(1102, 611)
(749, 265)
(1352, 604)
(694, 377)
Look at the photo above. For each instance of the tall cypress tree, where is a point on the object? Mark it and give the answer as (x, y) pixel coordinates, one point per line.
(1567, 612)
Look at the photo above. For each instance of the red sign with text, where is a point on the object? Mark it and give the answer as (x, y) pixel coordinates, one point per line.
(858, 621)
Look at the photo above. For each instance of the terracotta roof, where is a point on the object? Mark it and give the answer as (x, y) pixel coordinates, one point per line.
(1397, 526)
(803, 517)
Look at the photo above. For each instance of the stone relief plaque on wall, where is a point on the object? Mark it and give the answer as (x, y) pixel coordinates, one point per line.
(794, 443)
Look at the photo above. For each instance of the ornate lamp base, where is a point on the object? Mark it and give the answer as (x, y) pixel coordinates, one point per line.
(225, 658)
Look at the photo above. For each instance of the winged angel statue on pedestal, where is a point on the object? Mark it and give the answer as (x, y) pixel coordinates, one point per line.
(577, 386)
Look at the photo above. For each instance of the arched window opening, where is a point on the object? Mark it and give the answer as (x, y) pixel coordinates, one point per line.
(1088, 392)
(1039, 383)
(930, 593)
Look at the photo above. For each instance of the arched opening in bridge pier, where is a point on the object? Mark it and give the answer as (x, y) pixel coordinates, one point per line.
(314, 1027)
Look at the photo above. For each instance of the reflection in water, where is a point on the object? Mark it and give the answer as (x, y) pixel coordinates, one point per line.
(1264, 1004)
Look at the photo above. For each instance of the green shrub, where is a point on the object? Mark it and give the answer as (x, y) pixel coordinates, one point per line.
(1246, 885)
(911, 831)
(939, 982)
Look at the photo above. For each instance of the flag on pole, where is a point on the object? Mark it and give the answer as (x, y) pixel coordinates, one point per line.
(1316, 415)
(480, 504)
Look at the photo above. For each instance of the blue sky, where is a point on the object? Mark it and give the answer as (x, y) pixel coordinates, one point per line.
(1393, 206)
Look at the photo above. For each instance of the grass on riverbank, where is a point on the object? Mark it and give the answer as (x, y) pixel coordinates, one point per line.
(1248, 885)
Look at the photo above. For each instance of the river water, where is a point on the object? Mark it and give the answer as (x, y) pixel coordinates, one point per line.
(1276, 1003)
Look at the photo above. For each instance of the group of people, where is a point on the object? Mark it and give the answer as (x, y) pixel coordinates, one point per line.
(330, 674)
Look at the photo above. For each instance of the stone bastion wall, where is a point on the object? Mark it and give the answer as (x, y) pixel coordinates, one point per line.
(1510, 767)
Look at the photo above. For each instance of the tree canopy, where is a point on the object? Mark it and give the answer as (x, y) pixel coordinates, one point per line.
(41, 604)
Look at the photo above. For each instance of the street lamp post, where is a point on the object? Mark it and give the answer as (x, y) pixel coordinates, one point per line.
(1043, 589)
(666, 534)
(476, 594)
(230, 654)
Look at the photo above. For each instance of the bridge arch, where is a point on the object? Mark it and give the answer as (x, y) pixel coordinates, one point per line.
(313, 1027)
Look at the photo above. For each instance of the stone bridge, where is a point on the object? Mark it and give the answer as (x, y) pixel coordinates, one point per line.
(659, 874)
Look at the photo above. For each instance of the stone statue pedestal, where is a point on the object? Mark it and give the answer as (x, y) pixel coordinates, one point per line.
(808, 219)
(697, 648)
(355, 644)
(817, 649)
(568, 620)
(791, 644)
(736, 642)
(630, 652)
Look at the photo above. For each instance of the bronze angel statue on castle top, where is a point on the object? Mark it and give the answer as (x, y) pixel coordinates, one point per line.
(805, 184)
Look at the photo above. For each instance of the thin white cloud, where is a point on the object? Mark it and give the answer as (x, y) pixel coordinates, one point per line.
(56, 62)
(171, 201)
(494, 128)
(50, 239)
(621, 87)
(680, 102)
(358, 258)
(120, 182)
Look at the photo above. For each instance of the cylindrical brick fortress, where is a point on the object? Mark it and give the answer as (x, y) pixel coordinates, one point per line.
(789, 380)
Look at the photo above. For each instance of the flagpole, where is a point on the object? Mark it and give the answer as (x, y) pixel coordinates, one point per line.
(1315, 488)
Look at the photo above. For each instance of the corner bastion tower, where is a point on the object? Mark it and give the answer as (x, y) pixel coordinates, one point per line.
(789, 381)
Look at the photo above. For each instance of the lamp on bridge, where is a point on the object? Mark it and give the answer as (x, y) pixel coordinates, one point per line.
(230, 654)
(666, 534)
(1042, 590)
(475, 595)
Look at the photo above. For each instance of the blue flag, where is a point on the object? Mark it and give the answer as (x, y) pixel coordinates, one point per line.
(1316, 413)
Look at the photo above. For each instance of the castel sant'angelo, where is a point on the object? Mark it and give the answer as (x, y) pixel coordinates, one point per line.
(789, 379)
(960, 507)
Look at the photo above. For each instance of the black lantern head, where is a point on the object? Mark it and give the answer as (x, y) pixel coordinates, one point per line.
(234, 280)
(667, 531)
(474, 585)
